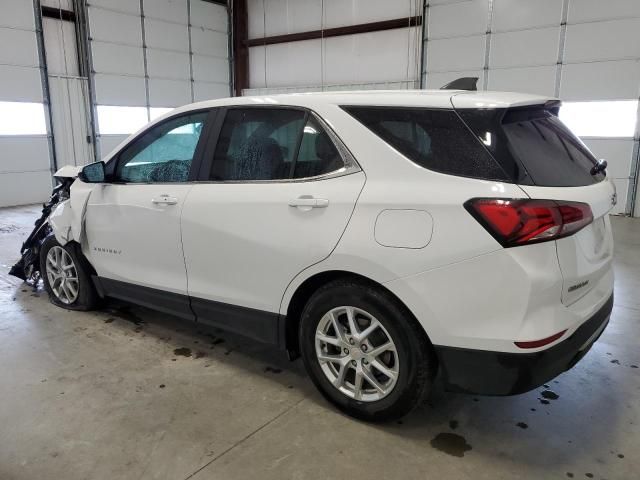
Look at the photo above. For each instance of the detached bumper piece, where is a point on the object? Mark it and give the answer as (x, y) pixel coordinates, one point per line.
(499, 373)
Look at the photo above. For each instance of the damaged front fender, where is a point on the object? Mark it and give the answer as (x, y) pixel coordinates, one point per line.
(67, 218)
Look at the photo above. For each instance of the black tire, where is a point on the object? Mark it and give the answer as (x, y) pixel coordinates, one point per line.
(87, 297)
(414, 351)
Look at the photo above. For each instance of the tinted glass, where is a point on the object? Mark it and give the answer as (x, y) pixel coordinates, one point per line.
(257, 144)
(317, 155)
(164, 153)
(533, 146)
(434, 139)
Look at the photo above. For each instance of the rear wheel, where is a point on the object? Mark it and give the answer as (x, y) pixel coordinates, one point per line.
(66, 276)
(364, 352)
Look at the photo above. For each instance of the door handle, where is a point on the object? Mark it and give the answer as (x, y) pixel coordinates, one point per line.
(164, 200)
(307, 202)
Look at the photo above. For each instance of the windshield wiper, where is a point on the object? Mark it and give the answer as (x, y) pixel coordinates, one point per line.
(598, 167)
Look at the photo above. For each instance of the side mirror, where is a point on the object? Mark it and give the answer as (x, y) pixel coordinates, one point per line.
(92, 173)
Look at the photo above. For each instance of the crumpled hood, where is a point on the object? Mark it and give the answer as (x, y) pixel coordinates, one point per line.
(68, 171)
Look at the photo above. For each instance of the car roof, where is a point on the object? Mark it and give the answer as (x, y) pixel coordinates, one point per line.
(408, 98)
(401, 98)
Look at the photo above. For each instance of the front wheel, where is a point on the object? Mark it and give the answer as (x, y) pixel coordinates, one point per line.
(365, 352)
(66, 276)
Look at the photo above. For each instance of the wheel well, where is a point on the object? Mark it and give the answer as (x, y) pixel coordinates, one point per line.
(83, 258)
(304, 293)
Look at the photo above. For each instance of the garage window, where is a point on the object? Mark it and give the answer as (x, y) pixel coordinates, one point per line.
(21, 118)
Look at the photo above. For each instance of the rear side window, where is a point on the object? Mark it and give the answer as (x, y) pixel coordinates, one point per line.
(434, 139)
(317, 155)
(533, 146)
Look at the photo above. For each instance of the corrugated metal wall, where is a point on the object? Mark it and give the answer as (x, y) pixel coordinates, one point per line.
(24, 162)
(152, 55)
(579, 50)
(386, 59)
(146, 56)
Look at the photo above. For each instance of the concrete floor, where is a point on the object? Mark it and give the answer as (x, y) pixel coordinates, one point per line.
(129, 393)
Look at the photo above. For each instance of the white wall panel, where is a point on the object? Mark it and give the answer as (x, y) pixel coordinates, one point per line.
(617, 152)
(20, 84)
(62, 59)
(64, 4)
(172, 10)
(18, 47)
(161, 63)
(112, 26)
(514, 14)
(614, 80)
(126, 6)
(171, 36)
(17, 14)
(256, 18)
(24, 188)
(209, 15)
(114, 58)
(290, 16)
(209, 42)
(24, 153)
(338, 13)
(589, 10)
(358, 58)
(439, 79)
(257, 67)
(456, 19)
(616, 39)
(120, 90)
(525, 47)
(295, 63)
(464, 53)
(622, 189)
(109, 142)
(169, 93)
(536, 80)
(70, 121)
(210, 69)
(209, 91)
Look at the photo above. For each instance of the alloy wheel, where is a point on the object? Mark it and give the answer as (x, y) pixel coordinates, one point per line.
(357, 354)
(62, 275)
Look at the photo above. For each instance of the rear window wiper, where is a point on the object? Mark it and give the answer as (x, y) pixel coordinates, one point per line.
(598, 167)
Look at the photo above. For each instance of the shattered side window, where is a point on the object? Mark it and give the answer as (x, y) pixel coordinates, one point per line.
(164, 153)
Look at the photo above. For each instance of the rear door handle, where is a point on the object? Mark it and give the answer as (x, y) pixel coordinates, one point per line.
(307, 202)
(164, 200)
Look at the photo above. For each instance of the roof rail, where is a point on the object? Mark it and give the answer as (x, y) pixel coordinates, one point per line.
(463, 83)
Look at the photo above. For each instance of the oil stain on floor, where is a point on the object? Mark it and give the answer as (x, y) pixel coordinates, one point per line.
(451, 444)
(182, 352)
(550, 395)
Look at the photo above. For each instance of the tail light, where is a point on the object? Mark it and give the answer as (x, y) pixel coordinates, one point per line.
(514, 222)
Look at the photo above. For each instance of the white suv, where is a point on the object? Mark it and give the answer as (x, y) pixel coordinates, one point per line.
(384, 236)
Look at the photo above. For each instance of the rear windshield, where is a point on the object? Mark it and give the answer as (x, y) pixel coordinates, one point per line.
(533, 146)
(434, 139)
(529, 146)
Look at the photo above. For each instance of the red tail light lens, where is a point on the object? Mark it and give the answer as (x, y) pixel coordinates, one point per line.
(515, 222)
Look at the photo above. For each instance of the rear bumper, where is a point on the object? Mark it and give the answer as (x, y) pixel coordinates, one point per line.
(502, 373)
